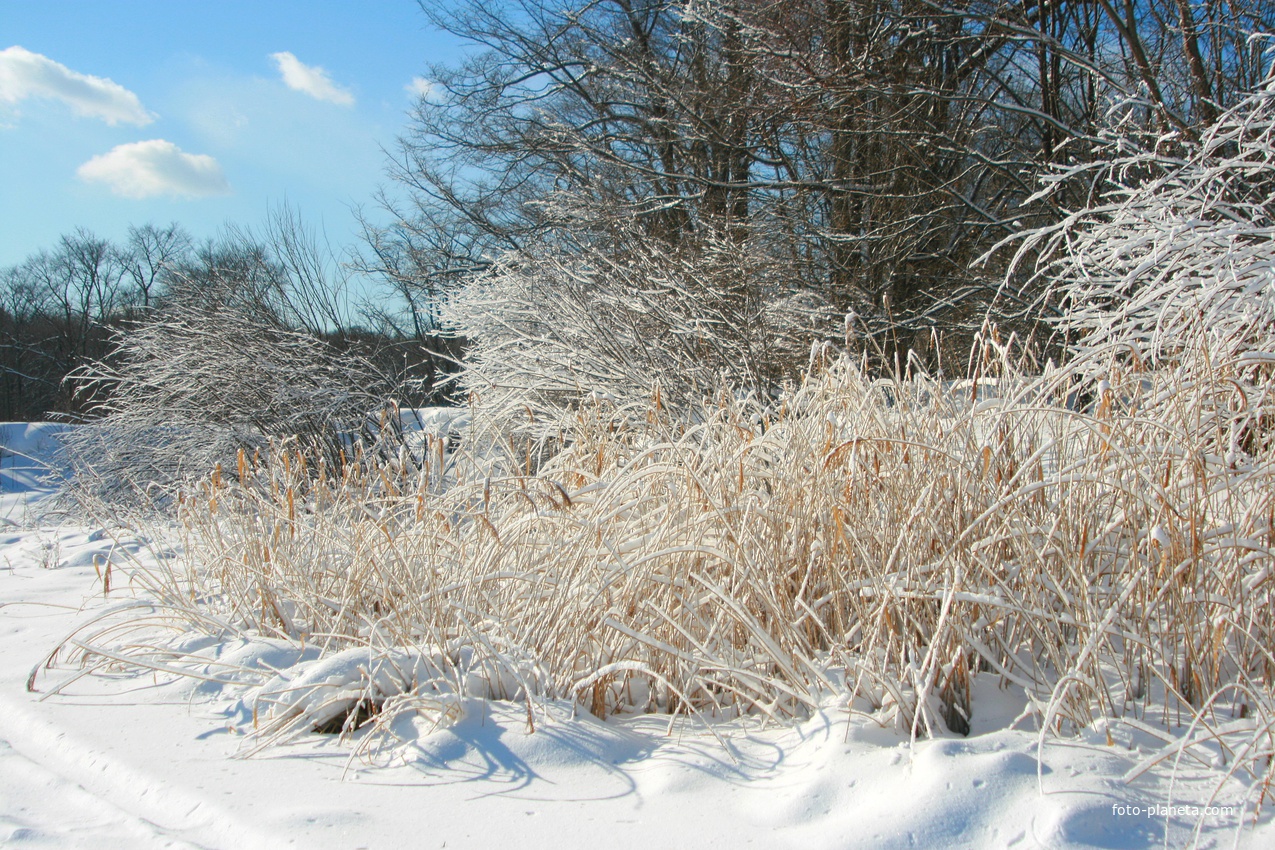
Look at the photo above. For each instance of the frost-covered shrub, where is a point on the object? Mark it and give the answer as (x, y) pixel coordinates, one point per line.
(196, 382)
(1172, 267)
(625, 317)
(1179, 244)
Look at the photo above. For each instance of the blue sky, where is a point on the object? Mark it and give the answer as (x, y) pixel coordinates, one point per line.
(119, 112)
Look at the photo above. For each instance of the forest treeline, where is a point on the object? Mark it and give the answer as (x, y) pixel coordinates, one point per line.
(68, 311)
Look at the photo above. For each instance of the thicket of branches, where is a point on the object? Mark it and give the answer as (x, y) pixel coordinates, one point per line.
(554, 326)
(64, 309)
(1175, 248)
(202, 378)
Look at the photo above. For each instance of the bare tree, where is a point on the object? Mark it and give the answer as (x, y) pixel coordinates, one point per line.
(150, 255)
(314, 287)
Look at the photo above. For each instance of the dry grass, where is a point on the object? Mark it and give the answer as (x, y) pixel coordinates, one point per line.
(889, 540)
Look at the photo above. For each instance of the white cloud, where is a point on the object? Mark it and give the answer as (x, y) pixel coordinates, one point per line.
(24, 74)
(420, 87)
(311, 80)
(155, 167)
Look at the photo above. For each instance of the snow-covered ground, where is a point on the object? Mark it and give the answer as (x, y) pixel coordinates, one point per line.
(25, 472)
(129, 760)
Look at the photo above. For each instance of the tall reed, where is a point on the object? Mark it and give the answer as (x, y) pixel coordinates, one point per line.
(885, 541)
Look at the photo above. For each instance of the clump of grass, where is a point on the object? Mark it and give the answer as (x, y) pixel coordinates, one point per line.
(886, 540)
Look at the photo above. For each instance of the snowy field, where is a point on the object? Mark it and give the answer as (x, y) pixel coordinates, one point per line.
(147, 760)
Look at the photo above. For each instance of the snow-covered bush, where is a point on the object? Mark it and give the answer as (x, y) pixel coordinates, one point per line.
(625, 316)
(192, 384)
(1172, 265)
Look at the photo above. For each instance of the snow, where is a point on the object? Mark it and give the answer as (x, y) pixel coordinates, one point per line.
(435, 421)
(25, 450)
(127, 759)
